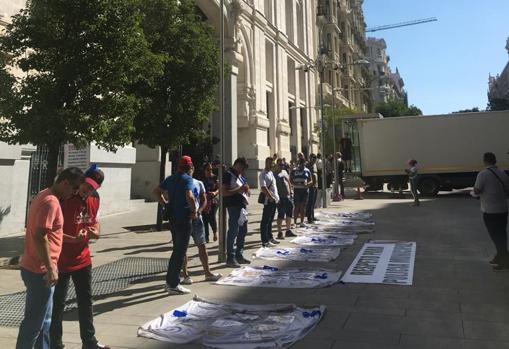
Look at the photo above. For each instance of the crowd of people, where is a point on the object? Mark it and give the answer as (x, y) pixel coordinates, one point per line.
(63, 218)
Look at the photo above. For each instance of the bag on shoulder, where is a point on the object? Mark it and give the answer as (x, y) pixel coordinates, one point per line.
(505, 187)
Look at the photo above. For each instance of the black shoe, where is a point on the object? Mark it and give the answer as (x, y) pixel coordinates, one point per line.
(494, 261)
(242, 260)
(274, 241)
(290, 234)
(501, 267)
(97, 346)
(232, 263)
(280, 236)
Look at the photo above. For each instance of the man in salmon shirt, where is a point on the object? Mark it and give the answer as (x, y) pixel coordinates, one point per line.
(80, 225)
(43, 243)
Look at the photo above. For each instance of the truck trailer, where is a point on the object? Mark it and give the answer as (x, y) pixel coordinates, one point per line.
(448, 148)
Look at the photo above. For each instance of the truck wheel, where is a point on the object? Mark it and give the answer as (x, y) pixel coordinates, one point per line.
(429, 186)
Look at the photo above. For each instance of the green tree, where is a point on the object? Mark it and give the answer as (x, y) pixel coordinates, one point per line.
(183, 97)
(78, 59)
(473, 110)
(337, 116)
(496, 104)
(393, 108)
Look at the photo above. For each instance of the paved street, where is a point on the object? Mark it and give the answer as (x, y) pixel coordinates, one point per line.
(456, 300)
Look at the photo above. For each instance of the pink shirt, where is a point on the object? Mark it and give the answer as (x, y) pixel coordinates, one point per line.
(45, 213)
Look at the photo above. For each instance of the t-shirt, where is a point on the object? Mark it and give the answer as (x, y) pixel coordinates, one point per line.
(233, 180)
(177, 185)
(412, 172)
(44, 213)
(198, 190)
(300, 178)
(267, 180)
(78, 214)
(493, 197)
(283, 184)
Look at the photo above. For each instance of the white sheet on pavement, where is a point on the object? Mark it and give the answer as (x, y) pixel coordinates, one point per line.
(324, 240)
(347, 215)
(314, 254)
(234, 326)
(276, 277)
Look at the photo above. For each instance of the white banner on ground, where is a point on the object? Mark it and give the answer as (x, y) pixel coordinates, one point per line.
(345, 223)
(324, 229)
(347, 215)
(315, 254)
(383, 263)
(324, 240)
(233, 326)
(270, 276)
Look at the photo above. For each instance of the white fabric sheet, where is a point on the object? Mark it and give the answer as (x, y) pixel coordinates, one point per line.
(324, 240)
(313, 254)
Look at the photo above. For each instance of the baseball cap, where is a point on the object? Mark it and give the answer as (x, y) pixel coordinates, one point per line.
(185, 161)
(92, 183)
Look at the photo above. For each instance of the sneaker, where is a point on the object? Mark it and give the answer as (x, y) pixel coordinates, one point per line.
(494, 261)
(177, 290)
(213, 277)
(97, 346)
(302, 225)
(290, 234)
(280, 236)
(501, 267)
(265, 244)
(242, 260)
(274, 241)
(232, 263)
(187, 281)
(270, 244)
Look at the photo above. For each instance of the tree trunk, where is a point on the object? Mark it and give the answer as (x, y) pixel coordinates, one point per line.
(162, 173)
(51, 170)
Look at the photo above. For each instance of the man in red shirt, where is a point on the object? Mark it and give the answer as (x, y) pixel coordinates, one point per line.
(43, 243)
(80, 225)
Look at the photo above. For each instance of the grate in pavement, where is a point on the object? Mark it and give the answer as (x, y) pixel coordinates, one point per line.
(106, 279)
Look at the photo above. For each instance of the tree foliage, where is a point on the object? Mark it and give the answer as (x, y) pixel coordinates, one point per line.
(184, 96)
(397, 108)
(473, 110)
(78, 59)
(496, 104)
(336, 118)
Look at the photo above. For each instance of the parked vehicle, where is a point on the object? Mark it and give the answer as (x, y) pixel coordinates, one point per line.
(449, 148)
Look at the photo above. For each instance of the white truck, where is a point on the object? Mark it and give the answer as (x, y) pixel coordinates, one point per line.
(448, 148)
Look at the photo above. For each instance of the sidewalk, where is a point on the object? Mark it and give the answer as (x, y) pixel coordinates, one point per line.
(456, 300)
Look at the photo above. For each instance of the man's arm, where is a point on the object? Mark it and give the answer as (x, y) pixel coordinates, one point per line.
(161, 195)
(479, 183)
(42, 250)
(203, 202)
(190, 202)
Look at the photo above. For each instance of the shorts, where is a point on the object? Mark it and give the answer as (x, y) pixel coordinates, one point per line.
(198, 232)
(285, 208)
(300, 196)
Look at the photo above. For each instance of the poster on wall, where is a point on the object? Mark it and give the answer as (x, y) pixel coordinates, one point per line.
(278, 277)
(383, 262)
(233, 325)
(76, 157)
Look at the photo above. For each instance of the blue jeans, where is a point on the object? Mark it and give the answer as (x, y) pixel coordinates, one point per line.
(34, 329)
(236, 234)
(180, 234)
(269, 211)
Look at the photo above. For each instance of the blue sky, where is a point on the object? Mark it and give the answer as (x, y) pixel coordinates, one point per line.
(445, 64)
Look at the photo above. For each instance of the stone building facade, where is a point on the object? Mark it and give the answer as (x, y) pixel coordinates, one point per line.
(385, 84)
(499, 85)
(344, 35)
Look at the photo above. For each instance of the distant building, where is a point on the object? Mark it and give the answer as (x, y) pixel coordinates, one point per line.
(499, 85)
(385, 85)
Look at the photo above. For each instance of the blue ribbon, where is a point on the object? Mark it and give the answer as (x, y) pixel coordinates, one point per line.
(268, 267)
(318, 240)
(303, 250)
(322, 276)
(314, 313)
(179, 313)
(284, 253)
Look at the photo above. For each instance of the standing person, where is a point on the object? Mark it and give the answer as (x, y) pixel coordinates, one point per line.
(319, 165)
(345, 146)
(212, 191)
(341, 170)
(285, 205)
(80, 226)
(301, 180)
(412, 172)
(329, 170)
(492, 185)
(39, 269)
(235, 191)
(313, 189)
(198, 234)
(268, 187)
(176, 192)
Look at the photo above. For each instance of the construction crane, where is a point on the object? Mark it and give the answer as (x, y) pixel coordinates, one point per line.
(402, 24)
